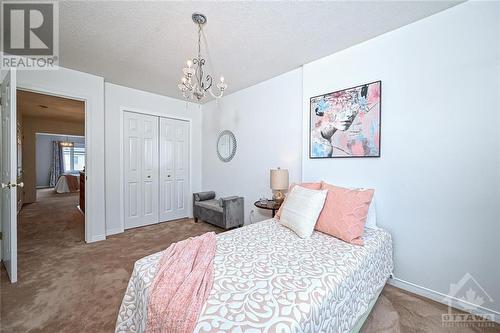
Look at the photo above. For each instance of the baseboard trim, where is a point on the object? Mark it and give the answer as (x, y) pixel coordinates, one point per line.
(441, 298)
(97, 238)
(114, 231)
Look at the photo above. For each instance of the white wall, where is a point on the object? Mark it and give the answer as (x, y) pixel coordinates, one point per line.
(119, 98)
(437, 181)
(266, 120)
(74, 84)
(44, 155)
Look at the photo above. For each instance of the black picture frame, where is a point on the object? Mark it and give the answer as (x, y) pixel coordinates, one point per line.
(379, 124)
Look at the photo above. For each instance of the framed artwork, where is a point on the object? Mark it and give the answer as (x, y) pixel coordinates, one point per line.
(346, 123)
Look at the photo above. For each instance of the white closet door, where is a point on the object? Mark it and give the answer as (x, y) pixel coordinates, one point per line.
(174, 169)
(141, 169)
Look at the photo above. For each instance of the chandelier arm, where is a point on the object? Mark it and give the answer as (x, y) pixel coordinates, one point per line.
(214, 95)
(209, 82)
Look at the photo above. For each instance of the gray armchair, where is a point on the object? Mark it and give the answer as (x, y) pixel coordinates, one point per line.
(226, 212)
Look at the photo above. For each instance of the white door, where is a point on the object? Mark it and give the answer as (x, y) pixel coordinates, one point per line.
(9, 175)
(141, 169)
(174, 169)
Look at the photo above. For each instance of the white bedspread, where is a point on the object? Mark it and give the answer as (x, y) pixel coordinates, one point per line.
(62, 185)
(267, 279)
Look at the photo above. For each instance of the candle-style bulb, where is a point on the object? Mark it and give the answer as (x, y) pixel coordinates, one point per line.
(189, 63)
(222, 79)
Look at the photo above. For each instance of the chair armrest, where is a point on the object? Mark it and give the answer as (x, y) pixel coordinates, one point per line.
(233, 211)
(224, 202)
(202, 196)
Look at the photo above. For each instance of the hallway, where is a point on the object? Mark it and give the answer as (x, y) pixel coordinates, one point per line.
(53, 222)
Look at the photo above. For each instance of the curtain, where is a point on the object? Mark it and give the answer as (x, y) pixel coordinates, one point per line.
(57, 167)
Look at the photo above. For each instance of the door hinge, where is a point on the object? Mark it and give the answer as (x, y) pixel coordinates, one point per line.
(1, 101)
(1, 235)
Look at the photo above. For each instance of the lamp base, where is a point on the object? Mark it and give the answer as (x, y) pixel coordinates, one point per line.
(278, 196)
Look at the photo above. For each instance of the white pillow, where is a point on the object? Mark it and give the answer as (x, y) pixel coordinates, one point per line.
(371, 218)
(301, 210)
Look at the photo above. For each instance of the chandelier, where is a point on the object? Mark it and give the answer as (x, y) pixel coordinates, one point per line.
(66, 144)
(194, 84)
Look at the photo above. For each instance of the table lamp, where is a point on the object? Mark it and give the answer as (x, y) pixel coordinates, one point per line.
(279, 184)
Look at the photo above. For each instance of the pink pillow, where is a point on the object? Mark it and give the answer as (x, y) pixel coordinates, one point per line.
(344, 213)
(311, 186)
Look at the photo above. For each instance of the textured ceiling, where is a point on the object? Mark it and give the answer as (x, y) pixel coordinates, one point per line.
(145, 44)
(32, 104)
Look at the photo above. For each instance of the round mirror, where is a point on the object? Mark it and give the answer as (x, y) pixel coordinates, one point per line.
(226, 146)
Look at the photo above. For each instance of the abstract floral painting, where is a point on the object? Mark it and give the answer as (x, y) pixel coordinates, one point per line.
(346, 123)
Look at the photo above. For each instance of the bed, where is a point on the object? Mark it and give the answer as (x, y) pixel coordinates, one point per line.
(68, 184)
(269, 280)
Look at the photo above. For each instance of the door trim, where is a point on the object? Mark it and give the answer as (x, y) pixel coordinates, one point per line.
(89, 190)
(124, 109)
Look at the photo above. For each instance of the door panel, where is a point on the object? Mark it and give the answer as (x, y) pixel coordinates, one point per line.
(174, 168)
(148, 155)
(148, 198)
(132, 137)
(181, 202)
(9, 175)
(150, 169)
(168, 187)
(133, 143)
(182, 167)
(141, 169)
(133, 200)
(166, 170)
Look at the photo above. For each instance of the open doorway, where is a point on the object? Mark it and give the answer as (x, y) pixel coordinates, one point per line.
(51, 165)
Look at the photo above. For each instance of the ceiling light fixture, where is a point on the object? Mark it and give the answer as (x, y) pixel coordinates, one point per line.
(194, 84)
(66, 143)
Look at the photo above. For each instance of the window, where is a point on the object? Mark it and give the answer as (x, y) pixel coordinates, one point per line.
(73, 158)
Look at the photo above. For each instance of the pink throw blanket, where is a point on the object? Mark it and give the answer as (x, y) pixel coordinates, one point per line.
(181, 285)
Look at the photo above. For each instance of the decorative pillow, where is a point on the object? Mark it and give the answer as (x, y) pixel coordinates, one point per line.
(301, 210)
(371, 219)
(311, 186)
(344, 213)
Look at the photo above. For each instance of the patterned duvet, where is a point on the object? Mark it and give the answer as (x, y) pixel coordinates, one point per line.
(267, 279)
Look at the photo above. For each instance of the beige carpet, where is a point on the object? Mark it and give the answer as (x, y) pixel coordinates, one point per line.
(66, 285)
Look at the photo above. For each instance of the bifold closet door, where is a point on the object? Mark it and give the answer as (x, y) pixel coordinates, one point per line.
(140, 150)
(174, 169)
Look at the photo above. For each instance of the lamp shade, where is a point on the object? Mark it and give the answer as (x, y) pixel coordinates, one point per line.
(279, 179)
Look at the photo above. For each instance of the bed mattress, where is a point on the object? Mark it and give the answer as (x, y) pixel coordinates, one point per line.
(267, 279)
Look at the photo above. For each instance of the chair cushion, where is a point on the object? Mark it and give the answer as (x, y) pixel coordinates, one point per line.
(210, 204)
